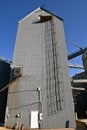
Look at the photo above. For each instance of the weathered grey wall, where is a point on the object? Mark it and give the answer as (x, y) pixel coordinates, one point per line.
(34, 51)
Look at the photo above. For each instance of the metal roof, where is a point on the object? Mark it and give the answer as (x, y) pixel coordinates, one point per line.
(5, 60)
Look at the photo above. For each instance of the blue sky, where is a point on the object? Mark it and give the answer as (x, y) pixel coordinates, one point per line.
(74, 13)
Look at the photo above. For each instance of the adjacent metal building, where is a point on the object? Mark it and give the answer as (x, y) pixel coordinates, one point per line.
(44, 87)
(80, 94)
(4, 80)
(84, 58)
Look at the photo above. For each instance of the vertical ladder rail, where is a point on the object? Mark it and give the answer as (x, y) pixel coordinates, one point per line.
(55, 62)
(54, 100)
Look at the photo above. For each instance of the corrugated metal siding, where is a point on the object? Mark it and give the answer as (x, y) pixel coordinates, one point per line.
(84, 58)
(31, 51)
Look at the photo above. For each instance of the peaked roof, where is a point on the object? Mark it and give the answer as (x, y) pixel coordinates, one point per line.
(41, 8)
(5, 60)
(51, 13)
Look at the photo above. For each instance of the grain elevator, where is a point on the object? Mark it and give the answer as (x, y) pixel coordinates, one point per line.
(44, 87)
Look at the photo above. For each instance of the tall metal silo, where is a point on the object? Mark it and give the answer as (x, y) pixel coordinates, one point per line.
(4, 80)
(44, 87)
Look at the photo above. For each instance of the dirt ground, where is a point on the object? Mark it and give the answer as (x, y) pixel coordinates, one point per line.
(2, 128)
(81, 128)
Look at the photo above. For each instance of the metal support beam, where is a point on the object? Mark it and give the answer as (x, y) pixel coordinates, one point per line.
(79, 81)
(75, 54)
(77, 88)
(76, 66)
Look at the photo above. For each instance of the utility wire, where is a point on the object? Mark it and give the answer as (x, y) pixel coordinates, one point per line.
(24, 106)
(23, 91)
(74, 44)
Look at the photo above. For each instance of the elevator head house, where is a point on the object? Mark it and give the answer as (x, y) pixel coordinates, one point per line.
(42, 95)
